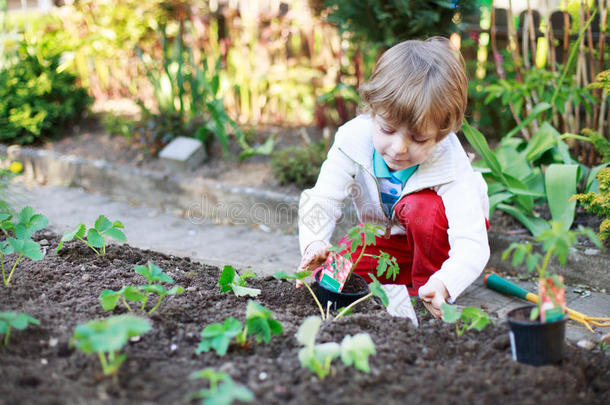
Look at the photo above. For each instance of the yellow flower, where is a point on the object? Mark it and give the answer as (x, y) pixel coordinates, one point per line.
(16, 167)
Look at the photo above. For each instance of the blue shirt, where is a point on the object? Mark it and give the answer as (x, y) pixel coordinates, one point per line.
(390, 183)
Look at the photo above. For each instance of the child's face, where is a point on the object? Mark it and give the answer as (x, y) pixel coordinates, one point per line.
(401, 148)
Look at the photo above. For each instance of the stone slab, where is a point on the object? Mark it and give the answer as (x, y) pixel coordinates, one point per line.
(183, 153)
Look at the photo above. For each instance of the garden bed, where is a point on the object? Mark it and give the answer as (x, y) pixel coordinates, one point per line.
(426, 364)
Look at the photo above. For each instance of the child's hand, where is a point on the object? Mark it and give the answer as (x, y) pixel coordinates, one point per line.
(315, 255)
(433, 294)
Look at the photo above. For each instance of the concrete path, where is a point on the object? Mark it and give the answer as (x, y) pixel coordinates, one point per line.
(246, 247)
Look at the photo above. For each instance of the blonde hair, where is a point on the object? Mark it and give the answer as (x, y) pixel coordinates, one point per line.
(417, 84)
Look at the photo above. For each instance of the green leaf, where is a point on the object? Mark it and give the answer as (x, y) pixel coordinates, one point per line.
(95, 239)
(77, 232)
(118, 224)
(535, 225)
(152, 272)
(28, 248)
(378, 291)
(115, 234)
(306, 334)
(479, 143)
(109, 299)
(22, 320)
(543, 140)
(450, 313)
(536, 111)
(561, 181)
(32, 250)
(475, 318)
(356, 350)
(25, 214)
(132, 293)
(6, 248)
(218, 336)
(108, 335)
(175, 290)
(259, 328)
(245, 291)
(102, 224)
(227, 276)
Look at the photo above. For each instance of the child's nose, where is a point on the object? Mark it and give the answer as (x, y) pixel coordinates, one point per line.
(399, 145)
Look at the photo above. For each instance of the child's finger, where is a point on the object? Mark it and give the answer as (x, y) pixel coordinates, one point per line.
(299, 284)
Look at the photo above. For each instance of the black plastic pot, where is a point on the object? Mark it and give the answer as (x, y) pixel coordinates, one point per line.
(338, 299)
(533, 342)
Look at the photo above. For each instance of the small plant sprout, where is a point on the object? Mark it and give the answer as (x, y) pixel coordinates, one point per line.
(557, 242)
(362, 235)
(259, 324)
(318, 357)
(223, 390)
(218, 336)
(96, 236)
(468, 318)
(375, 291)
(106, 337)
(19, 238)
(110, 299)
(19, 321)
(230, 280)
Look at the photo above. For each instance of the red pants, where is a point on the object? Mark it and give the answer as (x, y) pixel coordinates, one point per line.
(419, 253)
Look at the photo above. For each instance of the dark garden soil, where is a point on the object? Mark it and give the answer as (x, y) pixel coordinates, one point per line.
(413, 365)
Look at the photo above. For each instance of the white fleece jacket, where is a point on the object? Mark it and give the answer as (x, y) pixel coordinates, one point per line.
(348, 170)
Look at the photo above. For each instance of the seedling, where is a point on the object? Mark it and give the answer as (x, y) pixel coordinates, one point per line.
(557, 242)
(224, 393)
(230, 280)
(468, 318)
(96, 236)
(218, 336)
(259, 324)
(318, 357)
(363, 235)
(110, 299)
(106, 337)
(20, 242)
(19, 321)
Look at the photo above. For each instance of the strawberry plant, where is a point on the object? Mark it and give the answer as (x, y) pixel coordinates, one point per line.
(110, 299)
(468, 318)
(259, 324)
(231, 281)
(19, 238)
(318, 357)
(97, 236)
(224, 393)
(365, 235)
(19, 321)
(106, 337)
(362, 235)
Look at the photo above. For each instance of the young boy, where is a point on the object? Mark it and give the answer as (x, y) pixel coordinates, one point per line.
(405, 169)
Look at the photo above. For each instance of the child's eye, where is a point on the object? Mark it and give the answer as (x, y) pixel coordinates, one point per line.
(419, 140)
(387, 131)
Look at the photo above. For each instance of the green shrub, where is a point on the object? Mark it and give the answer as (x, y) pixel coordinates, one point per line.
(36, 97)
(599, 203)
(299, 165)
(387, 22)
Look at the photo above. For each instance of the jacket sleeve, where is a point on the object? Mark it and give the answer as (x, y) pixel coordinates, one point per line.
(321, 206)
(465, 206)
